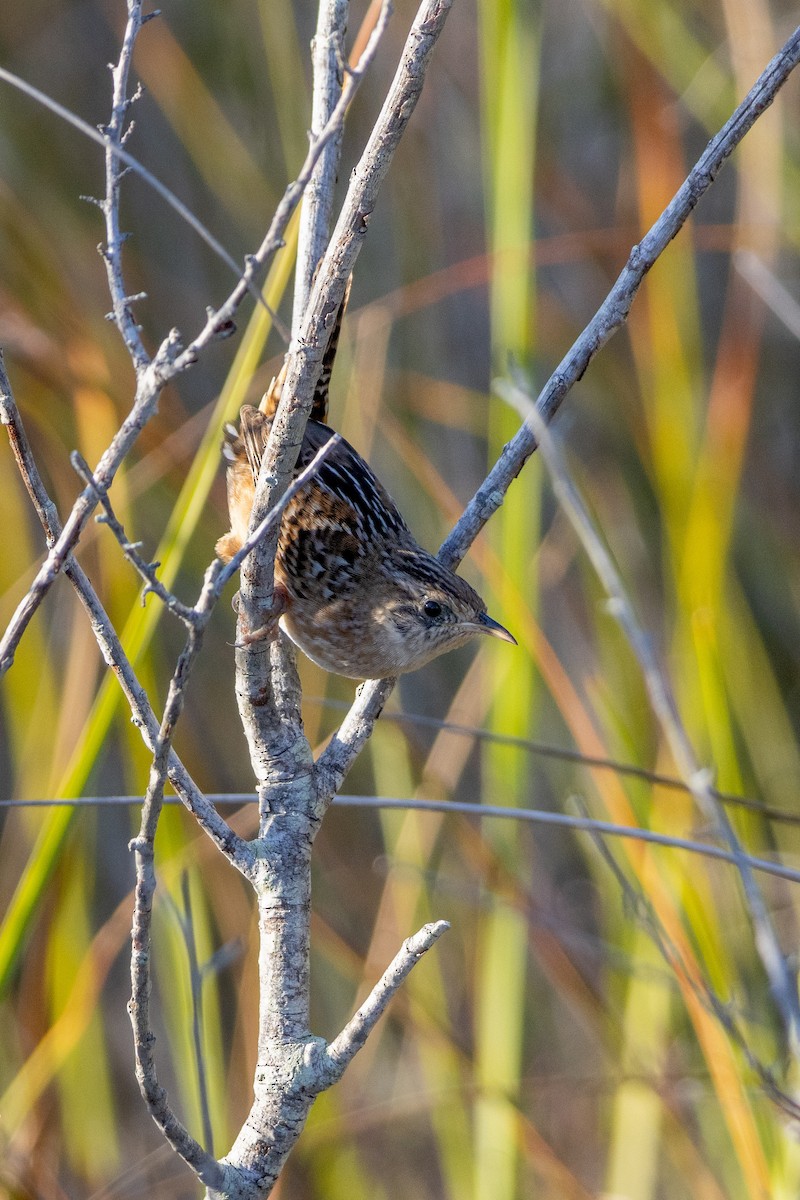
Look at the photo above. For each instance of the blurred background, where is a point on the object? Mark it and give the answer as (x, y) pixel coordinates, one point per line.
(545, 1048)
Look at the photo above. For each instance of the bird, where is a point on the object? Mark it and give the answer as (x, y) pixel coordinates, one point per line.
(354, 589)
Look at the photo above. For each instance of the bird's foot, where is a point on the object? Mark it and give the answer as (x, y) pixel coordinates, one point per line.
(268, 631)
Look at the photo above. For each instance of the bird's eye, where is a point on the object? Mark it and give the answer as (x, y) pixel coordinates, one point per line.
(432, 609)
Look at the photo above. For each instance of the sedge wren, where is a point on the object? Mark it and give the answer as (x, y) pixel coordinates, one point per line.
(359, 596)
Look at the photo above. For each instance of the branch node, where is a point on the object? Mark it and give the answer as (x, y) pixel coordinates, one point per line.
(224, 328)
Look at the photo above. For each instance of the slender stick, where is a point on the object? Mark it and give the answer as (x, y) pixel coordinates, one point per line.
(114, 135)
(698, 779)
(343, 1049)
(342, 751)
(328, 58)
(533, 816)
(143, 846)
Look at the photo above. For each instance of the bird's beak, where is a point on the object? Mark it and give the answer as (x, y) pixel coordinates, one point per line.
(487, 624)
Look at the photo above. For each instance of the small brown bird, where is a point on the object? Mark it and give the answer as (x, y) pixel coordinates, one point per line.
(361, 598)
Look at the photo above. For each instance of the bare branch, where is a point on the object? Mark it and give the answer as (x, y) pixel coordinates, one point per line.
(343, 1049)
(204, 1163)
(640, 904)
(530, 746)
(662, 700)
(147, 570)
(328, 58)
(569, 754)
(466, 808)
(114, 135)
(350, 738)
(613, 312)
(340, 755)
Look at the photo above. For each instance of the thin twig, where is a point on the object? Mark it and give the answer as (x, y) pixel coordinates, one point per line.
(568, 754)
(143, 846)
(114, 135)
(350, 738)
(328, 59)
(341, 753)
(133, 163)
(343, 1049)
(639, 903)
(147, 570)
(698, 779)
(533, 816)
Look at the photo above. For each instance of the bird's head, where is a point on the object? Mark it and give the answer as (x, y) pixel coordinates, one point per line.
(427, 609)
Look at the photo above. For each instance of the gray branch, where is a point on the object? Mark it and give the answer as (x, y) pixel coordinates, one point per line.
(343, 1049)
(531, 816)
(115, 133)
(343, 749)
(143, 846)
(697, 779)
(328, 58)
